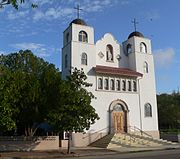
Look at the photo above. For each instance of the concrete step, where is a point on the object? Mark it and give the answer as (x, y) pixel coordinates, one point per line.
(159, 141)
(103, 142)
(128, 140)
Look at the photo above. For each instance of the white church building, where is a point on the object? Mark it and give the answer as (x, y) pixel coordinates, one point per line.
(123, 80)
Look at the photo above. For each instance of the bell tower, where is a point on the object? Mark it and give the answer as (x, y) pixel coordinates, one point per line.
(78, 47)
(140, 58)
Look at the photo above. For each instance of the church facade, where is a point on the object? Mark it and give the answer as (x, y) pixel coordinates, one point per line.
(123, 80)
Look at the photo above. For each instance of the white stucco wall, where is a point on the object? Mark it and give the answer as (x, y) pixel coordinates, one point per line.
(101, 44)
(135, 101)
(102, 104)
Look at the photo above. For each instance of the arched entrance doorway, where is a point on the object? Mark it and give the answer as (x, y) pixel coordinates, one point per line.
(118, 117)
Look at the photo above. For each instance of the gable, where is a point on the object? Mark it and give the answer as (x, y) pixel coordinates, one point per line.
(108, 44)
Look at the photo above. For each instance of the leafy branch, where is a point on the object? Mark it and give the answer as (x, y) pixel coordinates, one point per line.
(15, 3)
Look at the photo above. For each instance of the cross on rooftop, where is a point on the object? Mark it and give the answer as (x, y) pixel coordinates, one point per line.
(135, 23)
(78, 10)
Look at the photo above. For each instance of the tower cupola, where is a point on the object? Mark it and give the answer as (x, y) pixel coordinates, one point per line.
(79, 21)
(135, 33)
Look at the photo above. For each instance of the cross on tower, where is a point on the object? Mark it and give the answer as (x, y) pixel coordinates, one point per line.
(135, 23)
(78, 10)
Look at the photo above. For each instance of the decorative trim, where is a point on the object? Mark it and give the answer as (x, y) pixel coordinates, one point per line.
(100, 54)
(116, 71)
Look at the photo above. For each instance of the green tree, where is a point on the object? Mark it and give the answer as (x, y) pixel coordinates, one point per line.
(169, 110)
(15, 3)
(6, 112)
(31, 89)
(75, 113)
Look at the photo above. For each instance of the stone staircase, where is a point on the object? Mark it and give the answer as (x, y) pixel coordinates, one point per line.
(103, 142)
(129, 140)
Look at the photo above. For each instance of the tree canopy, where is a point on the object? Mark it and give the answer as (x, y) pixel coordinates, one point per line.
(169, 110)
(77, 113)
(32, 92)
(28, 88)
(6, 111)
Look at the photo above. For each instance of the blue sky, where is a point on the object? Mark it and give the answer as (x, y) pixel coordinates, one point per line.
(41, 29)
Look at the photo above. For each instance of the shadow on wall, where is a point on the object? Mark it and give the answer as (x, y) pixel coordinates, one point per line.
(91, 72)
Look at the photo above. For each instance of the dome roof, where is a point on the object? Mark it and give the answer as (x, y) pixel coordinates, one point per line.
(135, 33)
(78, 21)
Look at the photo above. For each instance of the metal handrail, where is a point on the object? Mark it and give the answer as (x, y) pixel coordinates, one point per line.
(96, 132)
(141, 131)
(132, 138)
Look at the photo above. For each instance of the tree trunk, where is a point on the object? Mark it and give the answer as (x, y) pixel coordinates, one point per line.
(69, 142)
(29, 131)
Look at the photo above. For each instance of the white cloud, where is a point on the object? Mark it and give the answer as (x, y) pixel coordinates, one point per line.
(164, 57)
(24, 46)
(16, 15)
(38, 15)
(65, 10)
(53, 13)
(125, 2)
(32, 33)
(60, 9)
(2, 52)
(38, 49)
(42, 2)
(97, 5)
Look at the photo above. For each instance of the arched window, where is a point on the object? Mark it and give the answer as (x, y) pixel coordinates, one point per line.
(100, 83)
(118, 85)
(109, 53)
(118, 107)
(129, 48)
(106, 84)
(134, 86)
(143, 48)
(83, 37)
(129, 86)
(146, 69)
(84, 58)
(148, 110)
(124, 85)
(66, 61)
(112, 84)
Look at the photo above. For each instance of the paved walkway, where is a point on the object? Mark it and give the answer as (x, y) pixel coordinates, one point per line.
(78, 152)
(139, 149)
(55, 154)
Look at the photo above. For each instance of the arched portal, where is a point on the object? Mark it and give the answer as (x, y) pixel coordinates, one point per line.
(118, 116)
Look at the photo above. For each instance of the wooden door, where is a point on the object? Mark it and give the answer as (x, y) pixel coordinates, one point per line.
(118, 121)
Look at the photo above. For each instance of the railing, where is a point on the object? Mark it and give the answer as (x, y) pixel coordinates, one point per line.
(136, 129)
(97, 132)
(132, 138)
